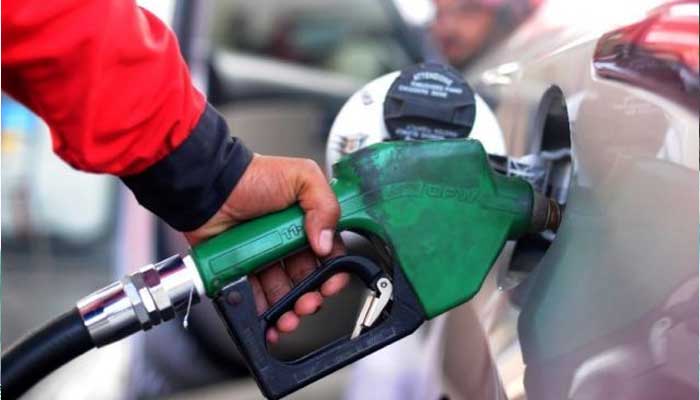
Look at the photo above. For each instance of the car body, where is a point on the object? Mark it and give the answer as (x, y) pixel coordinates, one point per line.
(608, 309)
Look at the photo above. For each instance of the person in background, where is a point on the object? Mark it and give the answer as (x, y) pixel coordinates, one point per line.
(464, 29)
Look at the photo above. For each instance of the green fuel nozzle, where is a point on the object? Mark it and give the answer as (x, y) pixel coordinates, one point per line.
(438, 207)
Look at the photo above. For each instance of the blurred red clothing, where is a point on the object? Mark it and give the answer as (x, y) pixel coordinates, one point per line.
(106, 76)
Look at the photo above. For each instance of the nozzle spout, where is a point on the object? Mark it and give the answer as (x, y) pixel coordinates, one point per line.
(546, 214)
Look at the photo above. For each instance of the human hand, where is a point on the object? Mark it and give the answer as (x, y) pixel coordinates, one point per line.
(271, 184)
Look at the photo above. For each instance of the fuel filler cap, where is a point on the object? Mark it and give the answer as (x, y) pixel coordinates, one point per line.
(429, 101)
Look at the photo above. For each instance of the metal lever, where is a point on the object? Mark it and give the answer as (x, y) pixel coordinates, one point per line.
(373, 306)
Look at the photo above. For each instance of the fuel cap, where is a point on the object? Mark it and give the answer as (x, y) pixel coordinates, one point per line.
(429, 101)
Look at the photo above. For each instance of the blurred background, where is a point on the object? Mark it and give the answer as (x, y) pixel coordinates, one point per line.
(279, 71)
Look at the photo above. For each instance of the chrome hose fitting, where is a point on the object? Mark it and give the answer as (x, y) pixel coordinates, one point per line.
(141, 300)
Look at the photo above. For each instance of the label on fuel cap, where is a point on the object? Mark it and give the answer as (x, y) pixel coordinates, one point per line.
(429, 101)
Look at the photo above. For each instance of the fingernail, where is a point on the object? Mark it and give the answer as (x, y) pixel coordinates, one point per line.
(325, 242)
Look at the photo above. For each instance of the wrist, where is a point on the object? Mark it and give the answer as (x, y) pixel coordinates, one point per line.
(189, 185)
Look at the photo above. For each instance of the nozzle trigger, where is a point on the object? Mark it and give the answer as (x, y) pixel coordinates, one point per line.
(374, 305)
(275, 377)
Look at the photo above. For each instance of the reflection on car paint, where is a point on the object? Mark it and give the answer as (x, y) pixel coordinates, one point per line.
(659, 53)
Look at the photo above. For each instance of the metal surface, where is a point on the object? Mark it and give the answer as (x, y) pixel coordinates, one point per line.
(610, 311)
(546, 214)
(658, 53)
(373, 307)
(141, 300)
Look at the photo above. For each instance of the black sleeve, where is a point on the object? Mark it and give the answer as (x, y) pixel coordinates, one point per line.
(188, 186)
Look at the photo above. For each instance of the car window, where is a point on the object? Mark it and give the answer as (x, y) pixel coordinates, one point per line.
(350, 37)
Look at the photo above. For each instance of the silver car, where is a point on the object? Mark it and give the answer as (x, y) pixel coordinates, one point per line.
(598, 101)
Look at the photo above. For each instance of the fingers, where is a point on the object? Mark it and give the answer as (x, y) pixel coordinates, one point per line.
(275, 284)
(261, 305)
(271, 184)
(337, 282)
(288, 322)
(299, 266)
(260, 300)
(320, 207)
(272, 335)
(308, 304)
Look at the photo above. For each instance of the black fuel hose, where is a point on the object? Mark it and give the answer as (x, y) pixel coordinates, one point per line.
(41, 352)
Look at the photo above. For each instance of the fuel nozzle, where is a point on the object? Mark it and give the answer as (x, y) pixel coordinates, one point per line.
(546, 214)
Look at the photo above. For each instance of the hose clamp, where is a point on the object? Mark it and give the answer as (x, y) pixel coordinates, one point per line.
(141, 300)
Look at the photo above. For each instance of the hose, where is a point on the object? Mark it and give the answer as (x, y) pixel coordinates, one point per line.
(136, 302)
(41, 352)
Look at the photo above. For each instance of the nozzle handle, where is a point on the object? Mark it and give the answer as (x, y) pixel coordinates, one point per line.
(247, 247)
(254, 244)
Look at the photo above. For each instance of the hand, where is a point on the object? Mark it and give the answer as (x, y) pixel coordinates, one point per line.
(271, 184)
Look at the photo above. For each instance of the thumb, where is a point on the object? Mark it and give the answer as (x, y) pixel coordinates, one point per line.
(321, 209)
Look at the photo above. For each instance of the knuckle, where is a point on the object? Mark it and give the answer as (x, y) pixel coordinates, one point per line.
(330, 206)
(316, 170)
(298, 274)
(295, 273)
(275, 291)
(310, 165)
(324, 213)
(333, 210)
(334, 207)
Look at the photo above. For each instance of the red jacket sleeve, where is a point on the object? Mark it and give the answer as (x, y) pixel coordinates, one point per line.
(106, 76)
(108, 79)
